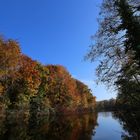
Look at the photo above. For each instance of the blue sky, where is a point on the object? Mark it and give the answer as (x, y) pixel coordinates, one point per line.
(55, 32)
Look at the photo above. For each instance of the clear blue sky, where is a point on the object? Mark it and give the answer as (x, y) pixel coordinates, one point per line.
(55, 32)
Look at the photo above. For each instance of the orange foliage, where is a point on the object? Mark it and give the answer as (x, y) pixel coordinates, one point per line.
(53, 84)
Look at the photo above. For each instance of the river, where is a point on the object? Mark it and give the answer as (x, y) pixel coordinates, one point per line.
(95, 126)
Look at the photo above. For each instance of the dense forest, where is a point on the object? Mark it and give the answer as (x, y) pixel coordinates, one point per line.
(26, 84)
(117, 47)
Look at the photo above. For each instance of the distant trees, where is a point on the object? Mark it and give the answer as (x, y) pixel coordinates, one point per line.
(117, 46)
(106, 105)
(27, 84)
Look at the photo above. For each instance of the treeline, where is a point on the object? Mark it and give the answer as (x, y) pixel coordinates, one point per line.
(117, 47)
(112, 105)
(27, 84)
(106, 105)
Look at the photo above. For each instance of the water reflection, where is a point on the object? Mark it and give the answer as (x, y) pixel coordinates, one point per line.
(13, 129)
(105, 114)
(112, 126)
(55, 128)
(130, 121)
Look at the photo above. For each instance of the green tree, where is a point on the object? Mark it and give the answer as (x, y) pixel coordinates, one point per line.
(117, 44)
(117, 39)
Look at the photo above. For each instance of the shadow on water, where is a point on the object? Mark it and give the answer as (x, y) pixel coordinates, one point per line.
(75, 127)
(130, 121)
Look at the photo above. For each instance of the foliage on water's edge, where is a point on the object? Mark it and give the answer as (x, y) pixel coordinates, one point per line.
(26, 84)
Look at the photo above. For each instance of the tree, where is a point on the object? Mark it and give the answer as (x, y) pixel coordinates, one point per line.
(117, 39)
(9, 61)
(117, 46)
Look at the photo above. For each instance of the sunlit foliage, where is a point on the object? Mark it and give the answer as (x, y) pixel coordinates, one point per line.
(27, 84)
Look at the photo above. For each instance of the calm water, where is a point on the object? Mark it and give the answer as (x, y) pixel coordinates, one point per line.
(97, 126)
(109, 128)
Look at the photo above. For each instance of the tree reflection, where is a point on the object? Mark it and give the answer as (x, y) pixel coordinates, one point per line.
(14, 127)
(75, 127)
(71, 127)
(130, 121)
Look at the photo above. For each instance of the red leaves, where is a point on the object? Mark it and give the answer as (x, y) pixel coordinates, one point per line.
(52, 84)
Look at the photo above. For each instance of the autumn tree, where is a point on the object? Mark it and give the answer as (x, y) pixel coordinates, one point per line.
(9, 61)
(86, 100)
(58, 86)
(27, 84)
